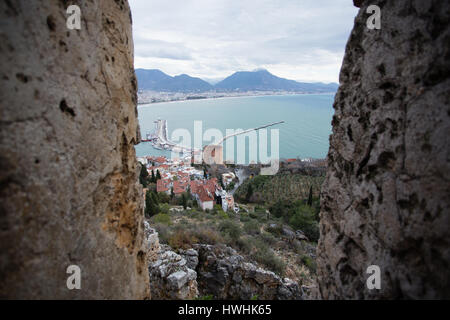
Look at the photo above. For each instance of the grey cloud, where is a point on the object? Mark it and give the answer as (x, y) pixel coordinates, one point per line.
(161, 49)
(222, 36)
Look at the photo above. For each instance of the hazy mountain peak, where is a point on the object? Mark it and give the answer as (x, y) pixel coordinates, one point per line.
(259, 79)
(260, 70)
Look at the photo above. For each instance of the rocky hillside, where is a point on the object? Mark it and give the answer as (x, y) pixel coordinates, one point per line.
(68, 191)
(213, 272)
(385, 200)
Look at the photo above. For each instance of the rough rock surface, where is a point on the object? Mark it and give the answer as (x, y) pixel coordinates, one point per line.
(386, 199)
(171, 277)
(153, 246)
(226, 275)
(215, 270)
(68, 192)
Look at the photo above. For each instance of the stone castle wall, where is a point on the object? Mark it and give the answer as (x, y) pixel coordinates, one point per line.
(68, 191)
(385, 200)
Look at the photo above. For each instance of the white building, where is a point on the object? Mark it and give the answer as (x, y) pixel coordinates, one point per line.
(227, 178)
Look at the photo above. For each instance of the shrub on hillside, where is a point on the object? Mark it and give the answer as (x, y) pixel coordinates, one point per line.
(164, 208)
(182, 239)
(275, 229)
(270, 260)
(209, 216)
(161, 218)
(196, 214)
(208, 236)
(223, 215)
(163, 232)
(305, 220)
(230, 229)
(217, 208)
(268, 238)
(252, 227)
(253, 215)
(309, 263)
(244, 217)
(244, 245)
(163, 197)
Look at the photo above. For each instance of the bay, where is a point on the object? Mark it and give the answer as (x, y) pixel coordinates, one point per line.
(305, 133)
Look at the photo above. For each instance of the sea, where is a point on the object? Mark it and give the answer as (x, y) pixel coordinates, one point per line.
(303, 134)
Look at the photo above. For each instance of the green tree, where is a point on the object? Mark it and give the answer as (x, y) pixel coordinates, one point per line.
(249, 193)
(164, 208)
(150, 208)
(310, 196)
(158, 175)
(153, 178)
(184, 201)
(221, 182)
(277, 209)
(162, 218)
(172, 194)
(155, 198)
(143, 175)
(304, 219)
(163, 197)
(230, 186)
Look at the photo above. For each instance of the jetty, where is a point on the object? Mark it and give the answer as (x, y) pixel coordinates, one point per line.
(159, 137)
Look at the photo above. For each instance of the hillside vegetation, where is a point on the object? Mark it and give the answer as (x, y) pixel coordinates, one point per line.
(293, 198)
(276, 226)
(257, 235)
(285, 187)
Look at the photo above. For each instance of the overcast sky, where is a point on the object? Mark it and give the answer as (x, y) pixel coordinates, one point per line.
(295, 39)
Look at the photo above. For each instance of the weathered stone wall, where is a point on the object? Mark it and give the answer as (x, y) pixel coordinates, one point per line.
(386, 198)
(68, 192)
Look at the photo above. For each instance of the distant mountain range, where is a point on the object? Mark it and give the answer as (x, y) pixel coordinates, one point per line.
(258, 80)
(156, 80)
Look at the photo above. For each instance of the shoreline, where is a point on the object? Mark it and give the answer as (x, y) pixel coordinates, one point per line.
(237, 96)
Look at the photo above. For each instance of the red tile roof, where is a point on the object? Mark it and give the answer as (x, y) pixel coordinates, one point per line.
(206, 185)
(194, 184)
(178, 187)
(204, 194)
(185, 180)
(161, 159)
(161, 185)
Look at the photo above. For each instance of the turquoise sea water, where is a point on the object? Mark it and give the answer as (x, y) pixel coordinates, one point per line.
(304, 134)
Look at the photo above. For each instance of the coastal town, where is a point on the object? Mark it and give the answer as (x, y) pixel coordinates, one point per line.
(177, 178)
(150, 96)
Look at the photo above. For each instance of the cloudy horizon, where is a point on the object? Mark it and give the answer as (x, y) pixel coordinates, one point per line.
(299, 40)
